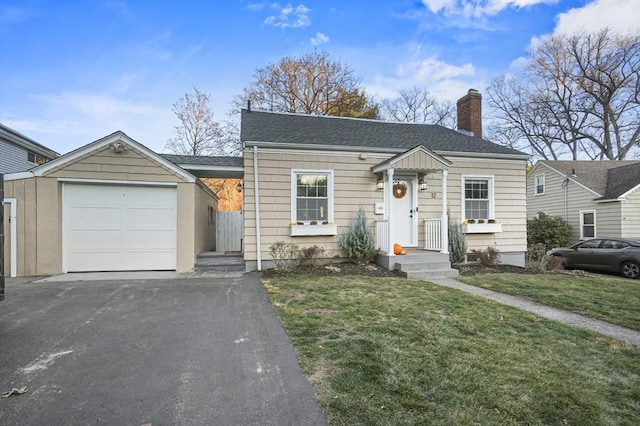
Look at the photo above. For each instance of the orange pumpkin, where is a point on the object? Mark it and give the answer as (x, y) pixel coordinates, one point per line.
(397, 249)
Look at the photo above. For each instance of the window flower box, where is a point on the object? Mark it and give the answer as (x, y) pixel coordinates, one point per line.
(313, 230)
(482, 228)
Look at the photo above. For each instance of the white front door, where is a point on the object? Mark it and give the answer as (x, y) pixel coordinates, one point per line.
(404, 215)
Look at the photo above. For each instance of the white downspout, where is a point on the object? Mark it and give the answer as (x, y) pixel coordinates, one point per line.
(389, 197)
(444, 226)
(256, 197)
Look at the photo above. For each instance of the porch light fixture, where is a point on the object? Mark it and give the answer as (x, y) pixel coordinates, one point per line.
(380, 183)
(239, 188)
(422, 184)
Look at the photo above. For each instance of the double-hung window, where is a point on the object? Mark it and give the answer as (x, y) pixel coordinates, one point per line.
(312, 203)
(587, 224)
(312, 199)
(477, 197)
(539, 190)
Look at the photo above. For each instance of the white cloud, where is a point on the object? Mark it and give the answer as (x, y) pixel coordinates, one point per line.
(424, 70)
(255, 6)
(478, 8)
(289, 16)
(619, 15)
(319, 38)
(69, 120)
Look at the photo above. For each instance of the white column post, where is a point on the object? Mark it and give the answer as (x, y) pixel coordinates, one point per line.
(444, 225)
(389, 197)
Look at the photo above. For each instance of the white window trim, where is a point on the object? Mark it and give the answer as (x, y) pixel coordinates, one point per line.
(306, 230)
(35, 157)
(490, 178)
(535, 184)
(595, 231)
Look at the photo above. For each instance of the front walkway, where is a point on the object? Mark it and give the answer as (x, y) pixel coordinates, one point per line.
(567, 317)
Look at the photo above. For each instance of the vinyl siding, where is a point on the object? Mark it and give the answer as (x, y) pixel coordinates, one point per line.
(13, 158)
(631, 216)
(355, 184)
(106, 164)
(552, 202)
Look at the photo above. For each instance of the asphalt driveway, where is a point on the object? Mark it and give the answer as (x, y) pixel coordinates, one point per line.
(196, 351)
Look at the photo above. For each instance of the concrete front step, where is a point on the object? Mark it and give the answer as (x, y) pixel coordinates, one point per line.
(423, 265)
(219, 262)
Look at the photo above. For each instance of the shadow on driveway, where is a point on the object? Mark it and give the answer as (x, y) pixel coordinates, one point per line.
(199, 351)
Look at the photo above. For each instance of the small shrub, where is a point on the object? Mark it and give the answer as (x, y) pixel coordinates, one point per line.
(548, 230)
(286, 256)
(457, 241)
(555, 262)
(487, 257)
(537, 258)
(359, 244)
(312, 255)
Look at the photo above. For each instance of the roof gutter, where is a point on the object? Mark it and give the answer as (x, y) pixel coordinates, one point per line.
(351, 148)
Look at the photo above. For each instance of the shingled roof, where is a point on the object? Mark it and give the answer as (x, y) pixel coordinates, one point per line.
(204, 160)
(609, 179)
(298, 129)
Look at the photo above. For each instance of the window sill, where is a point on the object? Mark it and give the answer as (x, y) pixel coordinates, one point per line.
(312, 230)
(482, 228)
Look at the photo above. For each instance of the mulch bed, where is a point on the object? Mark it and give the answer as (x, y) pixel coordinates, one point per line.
(373, 270)
(478, 269)
(334, 269)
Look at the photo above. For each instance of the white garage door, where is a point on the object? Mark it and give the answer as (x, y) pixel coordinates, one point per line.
(119, 228)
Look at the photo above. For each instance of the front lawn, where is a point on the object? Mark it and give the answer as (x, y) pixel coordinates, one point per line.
(612, 299)
(390, 351)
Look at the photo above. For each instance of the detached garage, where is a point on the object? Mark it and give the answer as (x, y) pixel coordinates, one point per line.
(112, 205)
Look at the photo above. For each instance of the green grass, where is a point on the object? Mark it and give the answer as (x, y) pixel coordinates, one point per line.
(612, 299)
(389, 351)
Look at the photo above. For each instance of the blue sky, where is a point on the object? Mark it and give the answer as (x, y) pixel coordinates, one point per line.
(74, 71)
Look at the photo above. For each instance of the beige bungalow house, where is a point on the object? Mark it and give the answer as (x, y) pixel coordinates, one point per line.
(305, 177)
(111, 205)
(597, 198)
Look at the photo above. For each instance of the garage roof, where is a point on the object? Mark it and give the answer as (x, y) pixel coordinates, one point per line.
(209, 166)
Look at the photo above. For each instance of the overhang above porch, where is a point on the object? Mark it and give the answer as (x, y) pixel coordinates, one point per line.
(419, 159)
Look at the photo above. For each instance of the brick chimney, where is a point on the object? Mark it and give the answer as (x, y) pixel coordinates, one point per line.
(470, 112)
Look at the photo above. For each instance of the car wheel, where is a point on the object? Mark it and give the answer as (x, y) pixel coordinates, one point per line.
(630, 269)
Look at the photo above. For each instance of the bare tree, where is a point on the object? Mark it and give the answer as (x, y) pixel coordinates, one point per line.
(578, 96)
(419, 106)
(310, 84)
(198, 133)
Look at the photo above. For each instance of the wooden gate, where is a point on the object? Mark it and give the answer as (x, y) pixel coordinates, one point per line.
(228, 232)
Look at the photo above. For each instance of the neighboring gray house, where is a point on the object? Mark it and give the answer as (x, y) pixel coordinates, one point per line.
(597, 198)
(19, 153)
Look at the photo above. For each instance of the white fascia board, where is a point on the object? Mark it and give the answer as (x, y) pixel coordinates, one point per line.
(387, 164)
(482, 155)
(117, 182)
(115, 137)
(212, 168)
(449, 155)
(610, 200)
(17, 175)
